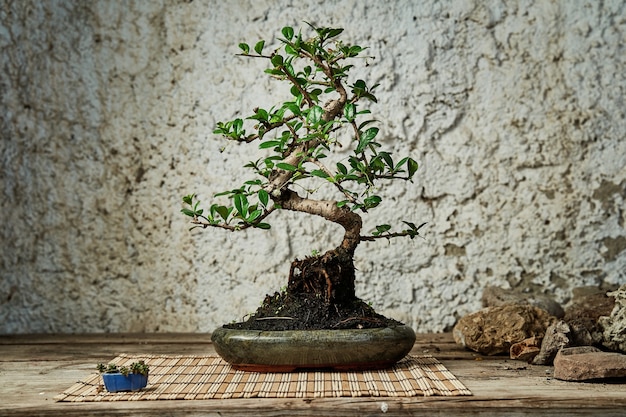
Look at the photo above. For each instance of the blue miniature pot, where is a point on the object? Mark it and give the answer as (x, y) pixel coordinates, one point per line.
(119, 382)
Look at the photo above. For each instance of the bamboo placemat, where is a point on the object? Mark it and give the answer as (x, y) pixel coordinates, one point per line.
(210, 377)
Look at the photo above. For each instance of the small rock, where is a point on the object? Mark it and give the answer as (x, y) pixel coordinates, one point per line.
(614, 326)
(526, 350)
(582, 292)
(556, 338)
(583, 315)
(589, 303)
(496, 296)
(580, 334)
(493, 330)
(587, 362)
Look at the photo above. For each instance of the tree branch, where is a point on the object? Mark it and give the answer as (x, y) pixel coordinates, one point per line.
(204, 222)
(345, 192)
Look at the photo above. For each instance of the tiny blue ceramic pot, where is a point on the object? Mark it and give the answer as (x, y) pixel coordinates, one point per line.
(119, 382)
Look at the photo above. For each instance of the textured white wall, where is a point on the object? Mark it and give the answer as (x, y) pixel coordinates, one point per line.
(515, 113)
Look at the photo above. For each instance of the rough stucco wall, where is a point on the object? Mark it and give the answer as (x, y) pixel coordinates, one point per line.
(515, 113)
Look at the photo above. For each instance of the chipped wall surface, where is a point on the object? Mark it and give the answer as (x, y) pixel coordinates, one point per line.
(514, 111)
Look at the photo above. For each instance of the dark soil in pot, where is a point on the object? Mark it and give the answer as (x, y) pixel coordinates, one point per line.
(319, 295)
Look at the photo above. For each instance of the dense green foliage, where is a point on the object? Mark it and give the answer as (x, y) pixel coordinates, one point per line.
(301, 133)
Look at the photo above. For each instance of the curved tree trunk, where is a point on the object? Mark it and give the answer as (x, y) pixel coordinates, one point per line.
(349, 220)
(331, 275)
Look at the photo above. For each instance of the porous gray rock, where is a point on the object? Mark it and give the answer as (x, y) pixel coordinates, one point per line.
(614, 326)
(494, 330)
(583, 315)
(494, 296)
(557, 337)
(585, 363)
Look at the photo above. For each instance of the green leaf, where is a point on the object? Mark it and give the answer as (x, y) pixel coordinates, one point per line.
(269, 161)
(360, 84)
(314, 94)
(262, 225)
(241, 204)
(286, 167)
(258, 48)
(293, 107)
(188, 199)
(261, 115)
(359, 88)
(342, 168)
(277, 116)
(315, 115)
(273, 71)
(386, 156)
(319, 173)
(356, 207)
(188, 212)
(264, 197)
(270, 144)
(370, 97)
(372, 201)
(277, 60)
(383, 228)
(287, 32)
(223, 193)
(365, 123)
(245, 48)
(331, 33)
(253, 216)
(380, 229)
(412, 167)
(367, 137)
(295, 91)
(370, 134)
(290, 50)
(238, 127)
(223, 211)
(289, 68)
(349, 111)
(410, 224)
(377, 164)
(400, 163)
(354, 51)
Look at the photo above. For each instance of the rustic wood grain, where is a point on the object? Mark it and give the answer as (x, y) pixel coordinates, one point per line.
(35, 368)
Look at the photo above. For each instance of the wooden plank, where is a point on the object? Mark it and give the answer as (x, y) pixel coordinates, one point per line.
(117, 338)
(35, 368)
(20, 347)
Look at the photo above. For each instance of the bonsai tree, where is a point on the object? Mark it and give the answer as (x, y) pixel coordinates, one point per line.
(326, 113)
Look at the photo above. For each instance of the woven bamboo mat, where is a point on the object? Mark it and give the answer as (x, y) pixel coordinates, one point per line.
(210, 377)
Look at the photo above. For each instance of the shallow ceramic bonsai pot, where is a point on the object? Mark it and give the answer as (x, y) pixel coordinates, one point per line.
(120, 382)
(286, 351)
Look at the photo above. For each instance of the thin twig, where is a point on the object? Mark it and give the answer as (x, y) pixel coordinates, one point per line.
(274, 318)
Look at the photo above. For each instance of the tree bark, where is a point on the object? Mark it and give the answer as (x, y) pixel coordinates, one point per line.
(349, 220)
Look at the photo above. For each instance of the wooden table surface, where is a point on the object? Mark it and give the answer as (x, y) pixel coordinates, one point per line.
(35, 368)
